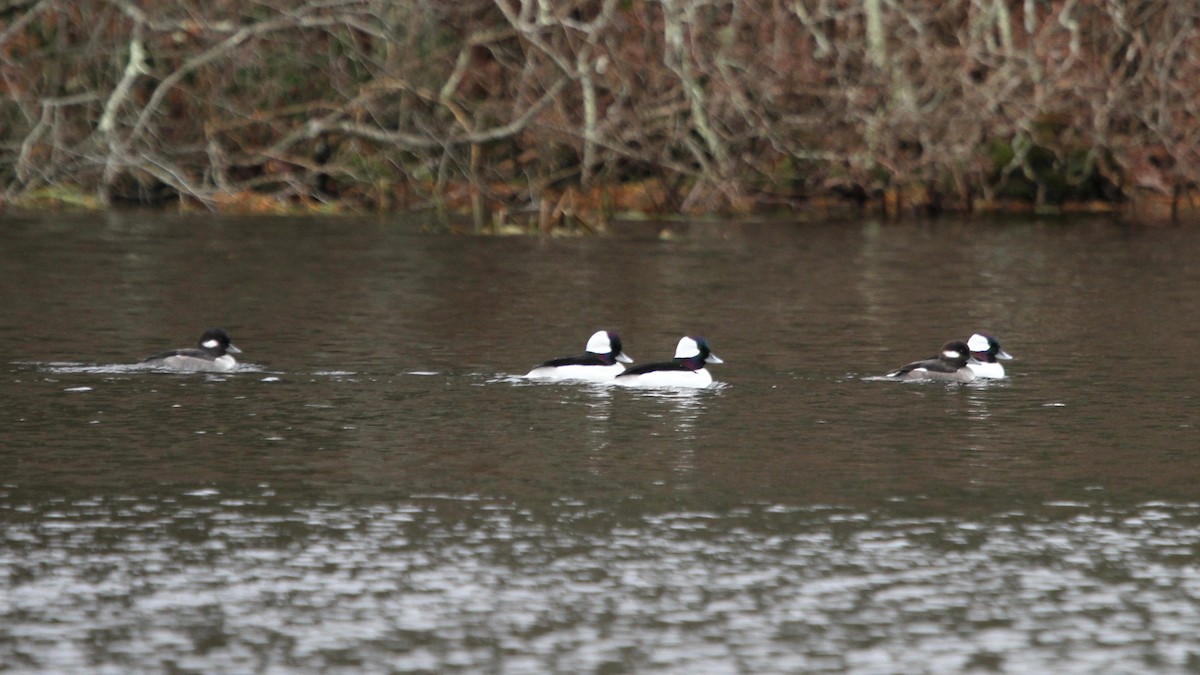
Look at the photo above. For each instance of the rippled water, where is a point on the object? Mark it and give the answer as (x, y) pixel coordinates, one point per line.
(376, 491)
(200, 581)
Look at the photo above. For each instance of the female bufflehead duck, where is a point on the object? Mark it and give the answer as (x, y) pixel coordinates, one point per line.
(949, 366)
(686, 370)
(985, 349)
(600, 362)
(213, 355)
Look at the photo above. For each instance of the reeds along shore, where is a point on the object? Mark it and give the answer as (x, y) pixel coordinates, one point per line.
(547, 114)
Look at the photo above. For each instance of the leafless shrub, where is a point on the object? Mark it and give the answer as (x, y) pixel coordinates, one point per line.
(487, 104)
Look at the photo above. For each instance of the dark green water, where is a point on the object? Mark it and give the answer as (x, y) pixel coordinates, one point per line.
(374, 491)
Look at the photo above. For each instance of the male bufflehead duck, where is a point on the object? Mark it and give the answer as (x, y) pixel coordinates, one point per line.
(985, 349)
(600, 362)
(949, 366)
(212, 355)
(686, 370)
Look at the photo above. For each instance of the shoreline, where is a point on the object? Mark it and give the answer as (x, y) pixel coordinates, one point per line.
(501, 211)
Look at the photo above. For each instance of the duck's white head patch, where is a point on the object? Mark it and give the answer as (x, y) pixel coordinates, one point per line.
(687, 348)
(599, 343)
(978, 343)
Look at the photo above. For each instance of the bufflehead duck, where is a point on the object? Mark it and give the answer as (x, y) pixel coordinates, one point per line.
(686, 370)
(600, 362)
(949, 366)
(985, 349)
(212, 355)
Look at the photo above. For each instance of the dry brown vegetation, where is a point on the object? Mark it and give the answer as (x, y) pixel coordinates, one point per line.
(547, 110)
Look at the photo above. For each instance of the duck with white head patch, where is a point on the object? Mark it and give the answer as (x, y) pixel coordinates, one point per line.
(600, 362)
(950, 365)
(685, 370)
(985, 349)
(213, 354)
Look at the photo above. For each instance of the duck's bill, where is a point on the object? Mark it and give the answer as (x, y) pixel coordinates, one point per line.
(1004, 355)
(713, 358)
(233, 350)
(624, 358)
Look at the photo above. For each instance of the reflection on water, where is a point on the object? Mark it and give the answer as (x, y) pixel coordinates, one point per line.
(677, 413)
(599, 417)
(377, 490)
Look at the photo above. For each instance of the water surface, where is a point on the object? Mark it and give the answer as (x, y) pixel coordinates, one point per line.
(376, 491)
